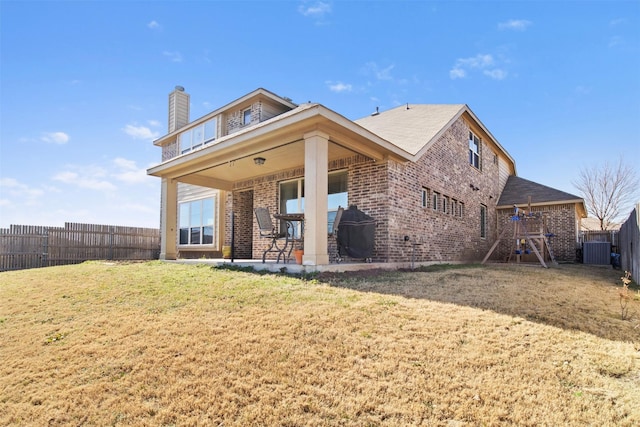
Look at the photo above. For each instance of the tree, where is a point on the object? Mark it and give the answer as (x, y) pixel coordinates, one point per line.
(608, 191)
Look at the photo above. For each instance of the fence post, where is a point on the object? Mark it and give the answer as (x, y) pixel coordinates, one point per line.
(45, 248)
(111, 232)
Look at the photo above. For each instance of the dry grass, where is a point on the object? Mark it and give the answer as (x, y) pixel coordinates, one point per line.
(165, 344)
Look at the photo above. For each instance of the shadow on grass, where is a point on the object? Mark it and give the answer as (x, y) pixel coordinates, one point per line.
(571, 297)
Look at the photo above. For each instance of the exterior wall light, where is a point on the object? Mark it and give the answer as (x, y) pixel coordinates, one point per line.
(259, 161)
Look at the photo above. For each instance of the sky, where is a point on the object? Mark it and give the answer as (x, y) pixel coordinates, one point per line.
(84, 84)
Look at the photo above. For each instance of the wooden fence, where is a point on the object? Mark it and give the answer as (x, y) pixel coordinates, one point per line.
(610, 236)
(630, 244)
(28, 246)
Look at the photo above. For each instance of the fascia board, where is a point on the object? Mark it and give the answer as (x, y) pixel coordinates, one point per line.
(579, 202)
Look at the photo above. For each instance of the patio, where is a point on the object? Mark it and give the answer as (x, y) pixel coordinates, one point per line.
(293, 268)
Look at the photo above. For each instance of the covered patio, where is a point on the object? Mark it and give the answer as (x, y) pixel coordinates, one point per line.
(301, 143)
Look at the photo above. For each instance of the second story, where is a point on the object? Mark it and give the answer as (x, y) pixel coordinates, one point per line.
(185, 136)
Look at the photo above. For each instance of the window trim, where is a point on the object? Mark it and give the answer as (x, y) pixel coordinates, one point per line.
(189, 229)
(425, 197)
(300, 190)
(475, 156)
(483, 221)
(193, 145)
(245, 115)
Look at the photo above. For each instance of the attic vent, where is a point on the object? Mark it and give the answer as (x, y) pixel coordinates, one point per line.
(375, 113)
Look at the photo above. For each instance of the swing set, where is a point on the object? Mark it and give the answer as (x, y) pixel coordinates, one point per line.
(529, 234)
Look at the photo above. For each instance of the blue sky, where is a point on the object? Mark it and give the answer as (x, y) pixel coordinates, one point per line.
(84, 84)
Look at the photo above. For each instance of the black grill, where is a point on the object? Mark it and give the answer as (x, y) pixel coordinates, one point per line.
(356, 234)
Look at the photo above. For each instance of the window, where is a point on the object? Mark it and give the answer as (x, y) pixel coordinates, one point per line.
(425, 197)
(434, 200)
(292, 196)
(246, 117)
(474, 150)
(445, 204)
(199, 135)
(454, 207)
(483, 221)
(461, 209)
(338, 195)
(196, 220)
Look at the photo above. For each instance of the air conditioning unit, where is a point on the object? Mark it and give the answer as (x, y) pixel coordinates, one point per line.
(596, 253)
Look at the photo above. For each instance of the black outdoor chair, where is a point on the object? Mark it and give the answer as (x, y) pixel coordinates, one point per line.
(269, 231)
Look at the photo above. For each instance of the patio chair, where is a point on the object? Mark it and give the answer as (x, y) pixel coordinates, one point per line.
(269, 231)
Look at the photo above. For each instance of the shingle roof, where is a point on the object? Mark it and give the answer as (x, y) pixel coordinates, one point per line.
(411, 127)
(517, 191)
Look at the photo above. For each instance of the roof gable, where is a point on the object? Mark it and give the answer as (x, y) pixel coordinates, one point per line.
(518, 190)
(415, 127)
(411, 127)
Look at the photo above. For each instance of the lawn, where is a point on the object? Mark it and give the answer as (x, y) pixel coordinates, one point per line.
(159, 344)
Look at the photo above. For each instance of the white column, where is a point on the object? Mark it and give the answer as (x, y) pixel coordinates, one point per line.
(168, 218)
(316, 163)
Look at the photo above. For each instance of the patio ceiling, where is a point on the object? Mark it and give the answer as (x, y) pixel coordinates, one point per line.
(280, 142)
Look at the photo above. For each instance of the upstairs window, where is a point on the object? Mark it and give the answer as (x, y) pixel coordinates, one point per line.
(246, 117)
(474, 150)
(198, 136)
(435, 198)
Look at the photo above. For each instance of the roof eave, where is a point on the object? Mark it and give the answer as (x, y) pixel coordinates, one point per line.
(579, 202)
(274, 124)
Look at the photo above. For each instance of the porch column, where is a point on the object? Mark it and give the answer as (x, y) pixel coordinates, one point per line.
(168, 218)
(316, 160)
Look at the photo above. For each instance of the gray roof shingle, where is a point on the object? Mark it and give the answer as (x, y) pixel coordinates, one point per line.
(411, 127)
(517, 191)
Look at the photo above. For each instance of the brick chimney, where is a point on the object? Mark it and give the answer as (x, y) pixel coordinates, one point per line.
(178, 109)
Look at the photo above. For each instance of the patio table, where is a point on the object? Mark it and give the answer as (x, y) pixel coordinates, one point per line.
(293, 220)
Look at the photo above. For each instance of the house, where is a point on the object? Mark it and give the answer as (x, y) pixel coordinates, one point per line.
(430, 175)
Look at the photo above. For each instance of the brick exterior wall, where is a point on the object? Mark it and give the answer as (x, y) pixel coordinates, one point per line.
(234, 119)
(445, 169)
(560, 220)
(170, 151)
(241, 204)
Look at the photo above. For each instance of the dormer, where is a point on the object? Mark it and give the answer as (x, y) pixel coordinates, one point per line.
(249, 110)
